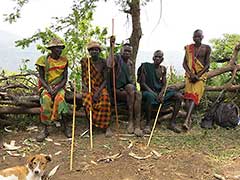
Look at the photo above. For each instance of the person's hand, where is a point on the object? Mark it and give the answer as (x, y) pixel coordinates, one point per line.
(194, 78)
(112, 40)
(95, 96)
(160, 98)
(49, 90)
(54, 92)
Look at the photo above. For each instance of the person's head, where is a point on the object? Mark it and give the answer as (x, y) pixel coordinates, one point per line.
(158, 57)
(126, 51)
(94, 49)
(56, 47)
(198, 36)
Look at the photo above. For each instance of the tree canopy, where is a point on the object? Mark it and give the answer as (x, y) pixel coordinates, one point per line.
(223, 47)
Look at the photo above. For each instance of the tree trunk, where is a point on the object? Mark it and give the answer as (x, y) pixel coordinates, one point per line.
(136, 29)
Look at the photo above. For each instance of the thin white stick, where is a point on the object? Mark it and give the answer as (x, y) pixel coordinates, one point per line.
(73, 126)
(90, 112)
(156, 118)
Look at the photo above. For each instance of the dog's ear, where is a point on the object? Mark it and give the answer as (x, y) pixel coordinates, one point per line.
(31, 159)
(48, 158)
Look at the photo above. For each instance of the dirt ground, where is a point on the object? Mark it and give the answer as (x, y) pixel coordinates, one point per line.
(159, 162)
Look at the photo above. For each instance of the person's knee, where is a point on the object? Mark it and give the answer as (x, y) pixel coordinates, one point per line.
(130, 88)
(138, 96)
(178, 96)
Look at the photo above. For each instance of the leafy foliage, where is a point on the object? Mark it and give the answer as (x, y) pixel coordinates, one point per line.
(222, 51)
(172, 76)
(77, 31)
(223, 47)
(12, 17)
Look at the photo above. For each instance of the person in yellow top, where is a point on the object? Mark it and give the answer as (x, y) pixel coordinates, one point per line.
(196, 64)
(53, 74)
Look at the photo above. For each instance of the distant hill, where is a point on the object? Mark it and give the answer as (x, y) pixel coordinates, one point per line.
(11, 56)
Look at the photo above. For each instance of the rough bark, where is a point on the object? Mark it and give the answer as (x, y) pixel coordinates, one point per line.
(19, 110)
(136, 28)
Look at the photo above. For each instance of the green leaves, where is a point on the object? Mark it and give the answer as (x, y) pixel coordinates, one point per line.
(12, 17)
(223, 47)
(77, 30)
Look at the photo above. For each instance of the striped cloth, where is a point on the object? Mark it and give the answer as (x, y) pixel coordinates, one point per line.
(101, 110)
(52, 108)
(194, 91)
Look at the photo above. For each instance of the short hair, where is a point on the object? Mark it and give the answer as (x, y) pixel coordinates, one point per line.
(158, 51)
(198, 30)
(127, 44)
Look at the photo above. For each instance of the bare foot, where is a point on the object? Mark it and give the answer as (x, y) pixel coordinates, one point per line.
(130, 128)
(147, 129)
(138, 132)
(187, 125)
(109, 132)
(174, 128)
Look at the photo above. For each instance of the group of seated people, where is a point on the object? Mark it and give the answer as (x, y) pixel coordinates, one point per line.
(99, 73)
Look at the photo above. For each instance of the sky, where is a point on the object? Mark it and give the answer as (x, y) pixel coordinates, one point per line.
(179, 19)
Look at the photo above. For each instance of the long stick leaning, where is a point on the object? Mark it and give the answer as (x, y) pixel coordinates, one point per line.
(156, 118)
(90, 112)
(114, 80)
(73, 126)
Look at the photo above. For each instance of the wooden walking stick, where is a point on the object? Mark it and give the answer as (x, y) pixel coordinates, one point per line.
(155, 121)
(114, 80)
(73, 125)
(90, 111)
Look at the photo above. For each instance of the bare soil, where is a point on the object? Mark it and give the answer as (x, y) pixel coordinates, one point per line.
(178, 163)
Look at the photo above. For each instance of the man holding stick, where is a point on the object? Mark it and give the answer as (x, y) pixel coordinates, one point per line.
(125, 89)
(98, 99)
(153, 82)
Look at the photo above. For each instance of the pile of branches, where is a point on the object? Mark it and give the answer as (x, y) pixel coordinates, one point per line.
(19, 94)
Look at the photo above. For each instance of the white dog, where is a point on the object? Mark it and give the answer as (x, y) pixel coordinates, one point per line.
(33, 170)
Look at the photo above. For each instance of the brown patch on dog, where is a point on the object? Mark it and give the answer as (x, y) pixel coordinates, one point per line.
(18, 171)
(37, 164)
(38, 160)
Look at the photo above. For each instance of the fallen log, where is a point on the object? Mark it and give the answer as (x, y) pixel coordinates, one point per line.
(18, 103)
(19, 110)
(226, 87)
(210, 75)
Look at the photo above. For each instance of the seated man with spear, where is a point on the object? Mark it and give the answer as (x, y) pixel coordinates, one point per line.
(53, 72)
(97, 100)
(153, 82)
(125, 89)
